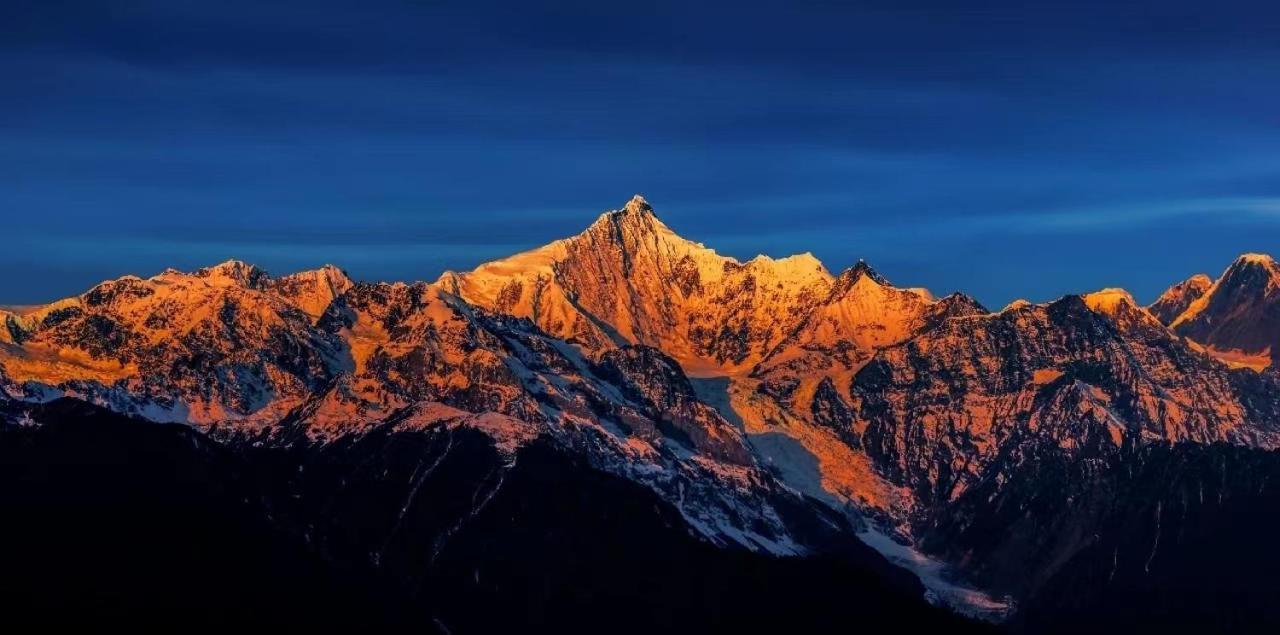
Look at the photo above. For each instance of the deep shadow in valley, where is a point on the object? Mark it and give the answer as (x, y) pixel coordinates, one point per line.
(1150, 538)
(115, 521)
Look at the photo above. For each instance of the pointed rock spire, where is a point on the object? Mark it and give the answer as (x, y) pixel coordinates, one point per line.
(637, 205)
(850, 277)
(958, 303)
(863, 269)
(1249, 273)
(635, 216)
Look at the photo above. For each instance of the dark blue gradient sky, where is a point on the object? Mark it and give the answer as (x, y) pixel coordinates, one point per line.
(1003, 149)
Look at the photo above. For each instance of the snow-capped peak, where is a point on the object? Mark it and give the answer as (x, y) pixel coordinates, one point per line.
(1108, 301)
(636, 217)
(233, 272)
(1255, 258)
(637, 205)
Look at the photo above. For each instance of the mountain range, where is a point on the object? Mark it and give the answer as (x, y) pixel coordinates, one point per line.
(627, 421)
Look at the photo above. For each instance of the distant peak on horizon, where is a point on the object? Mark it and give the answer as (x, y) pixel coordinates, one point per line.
(636, 228)
(863, 269)
(636, 214)
(1016, 304)
(636, 206)
(234, 269)
(1256, 257)
(1109, 300)
(1250, 266)
(247, 272)
(1246, 262)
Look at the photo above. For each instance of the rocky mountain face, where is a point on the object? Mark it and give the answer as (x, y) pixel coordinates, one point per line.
(628, 279)
(1178, 298)
(223, 343)
(862, 314)
(953, 406)
(1139, 538)
(248, 364)
(1238, 317)
(771, 407)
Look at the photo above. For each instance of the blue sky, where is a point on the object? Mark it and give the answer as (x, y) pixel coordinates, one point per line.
(1003, 149)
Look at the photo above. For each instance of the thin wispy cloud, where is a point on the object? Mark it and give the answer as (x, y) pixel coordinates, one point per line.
(930, 139)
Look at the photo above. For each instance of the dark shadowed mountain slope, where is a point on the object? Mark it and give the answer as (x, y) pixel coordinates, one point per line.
(1144, 538)
(1238, 318)
(113, 522)
(128, 523)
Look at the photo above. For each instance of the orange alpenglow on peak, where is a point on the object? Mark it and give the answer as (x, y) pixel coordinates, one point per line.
(1016, 304)
(636, 207)
(1235, 317)
(637, 204)
(1119, 306)
(1178, 298)
(835, 364)
(1241, 271)
(1256, 258)
(630, 279)
(1109, 300)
